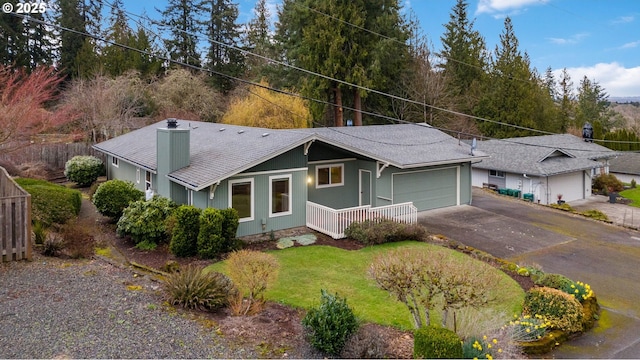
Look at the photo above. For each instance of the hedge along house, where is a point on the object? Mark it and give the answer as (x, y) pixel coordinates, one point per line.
(279, 179)
(544, 166)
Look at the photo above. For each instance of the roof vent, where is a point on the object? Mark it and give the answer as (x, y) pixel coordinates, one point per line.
(265, 134)
(172, 123)
(240, 131)
(222, 129)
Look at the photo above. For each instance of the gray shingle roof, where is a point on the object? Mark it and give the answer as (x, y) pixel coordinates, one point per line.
(217, 155)
(542, 155)
(626, 163)
(401, 145)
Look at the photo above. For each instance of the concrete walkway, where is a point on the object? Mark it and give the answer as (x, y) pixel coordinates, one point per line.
(620, 214)
(603, 255)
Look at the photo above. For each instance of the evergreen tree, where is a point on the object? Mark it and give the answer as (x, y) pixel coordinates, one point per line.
(327, 37)
(117, 59)
(183, 19)
(567, 100)
(258, 41)
(223, 30)
(39, 42)
(70, 16)
(593, 106)
(13, 42)
(514, 94)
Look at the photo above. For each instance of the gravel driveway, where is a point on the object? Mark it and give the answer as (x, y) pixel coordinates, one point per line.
(52, 308)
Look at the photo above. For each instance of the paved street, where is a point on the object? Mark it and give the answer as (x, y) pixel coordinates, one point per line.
(602, 255)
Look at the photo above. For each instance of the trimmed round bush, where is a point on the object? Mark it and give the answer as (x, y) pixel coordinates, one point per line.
(210, 240)
(184, 239)
(51, 203)
(194, 289)
(83, 170)
(330, 325)
(144, 220)
(436, 343)
(563, 311)
(607, 183)
(113, 196)
(230, 222)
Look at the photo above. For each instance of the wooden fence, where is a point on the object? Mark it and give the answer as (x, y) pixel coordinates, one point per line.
(53, 155)
(15, 220)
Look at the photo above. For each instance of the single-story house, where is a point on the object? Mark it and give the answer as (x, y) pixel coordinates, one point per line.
(546, 166)
(626, 166)
(279, 179)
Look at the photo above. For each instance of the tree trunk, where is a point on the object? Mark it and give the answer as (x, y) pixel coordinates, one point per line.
(357, 104)
(338, 118)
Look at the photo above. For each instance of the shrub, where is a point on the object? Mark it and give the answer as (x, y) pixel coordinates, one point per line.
(252, 272)
(53, 244)
(436, 343)
(51, 203)
(330, 325)
(145, 220)
(556, 281)
(194, 289)
(607, 183)
(595, 214)
(210, 240)
(562, 310)
(39, 232)
(83, 170)
(113, 196)
(633, 183)
(366, 343)
(79, 241)
(184, 239)
(371, 232)
(230, 222)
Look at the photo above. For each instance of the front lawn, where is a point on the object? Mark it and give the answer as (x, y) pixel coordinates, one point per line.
(305, 270)
(633, 195)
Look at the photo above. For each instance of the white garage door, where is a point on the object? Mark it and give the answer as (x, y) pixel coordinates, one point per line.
(429, 189)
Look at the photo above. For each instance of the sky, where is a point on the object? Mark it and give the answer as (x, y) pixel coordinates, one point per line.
(599, 39)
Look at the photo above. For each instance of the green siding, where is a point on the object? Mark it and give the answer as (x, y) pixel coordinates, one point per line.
(337, 197)
(261, 186)
(292, 159)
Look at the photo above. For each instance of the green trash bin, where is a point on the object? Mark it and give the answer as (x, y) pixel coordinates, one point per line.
(516, 193)
(502, 191)
(528, 197)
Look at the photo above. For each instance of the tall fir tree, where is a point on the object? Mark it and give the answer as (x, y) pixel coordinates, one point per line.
(567, 101)
(13, 40)
(70, 16)
(257, 40)
(183, 19)
(223, 32)
(115, 58)
(593, 107)
(334, 38)
(39, 41)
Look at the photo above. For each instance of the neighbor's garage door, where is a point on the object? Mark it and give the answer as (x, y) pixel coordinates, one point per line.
(429, 189)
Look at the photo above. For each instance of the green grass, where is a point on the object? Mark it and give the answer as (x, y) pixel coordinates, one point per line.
(305, 270)
(632, 194)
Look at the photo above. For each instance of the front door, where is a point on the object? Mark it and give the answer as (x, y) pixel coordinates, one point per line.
(364, 187)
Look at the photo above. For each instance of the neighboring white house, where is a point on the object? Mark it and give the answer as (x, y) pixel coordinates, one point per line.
(626, 167)
(545, 166)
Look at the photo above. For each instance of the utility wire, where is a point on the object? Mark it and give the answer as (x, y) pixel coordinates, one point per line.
(100, 38)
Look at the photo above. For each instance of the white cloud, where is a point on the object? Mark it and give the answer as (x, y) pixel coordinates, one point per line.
(614, 78)
(574, 39)
(501, 6)
(631, 45)
(623, 19)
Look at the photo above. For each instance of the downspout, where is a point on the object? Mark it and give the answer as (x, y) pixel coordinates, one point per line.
(548, 190)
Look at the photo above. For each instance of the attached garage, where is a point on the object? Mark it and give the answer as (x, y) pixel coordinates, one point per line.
(427, 189)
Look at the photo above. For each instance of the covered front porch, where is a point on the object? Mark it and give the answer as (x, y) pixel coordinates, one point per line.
(333, 222)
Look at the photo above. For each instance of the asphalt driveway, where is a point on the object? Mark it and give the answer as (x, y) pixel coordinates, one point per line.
(605, 256)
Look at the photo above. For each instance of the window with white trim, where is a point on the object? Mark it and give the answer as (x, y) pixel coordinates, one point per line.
(279, 195)
(241, 198)
(114, 161)
(496, 173)
(147, 180)
(329, 175)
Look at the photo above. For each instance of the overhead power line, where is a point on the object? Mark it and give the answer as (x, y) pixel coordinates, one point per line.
(388, 118)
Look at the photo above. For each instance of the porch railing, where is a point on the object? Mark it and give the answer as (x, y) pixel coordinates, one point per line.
(333, 222)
